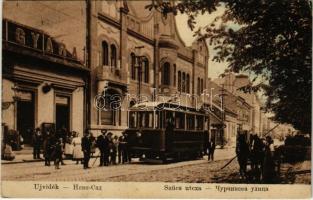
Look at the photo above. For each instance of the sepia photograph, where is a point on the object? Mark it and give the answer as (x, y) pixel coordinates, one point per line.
(156, 98)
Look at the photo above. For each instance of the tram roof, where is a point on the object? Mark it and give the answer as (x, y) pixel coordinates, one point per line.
(146, 106)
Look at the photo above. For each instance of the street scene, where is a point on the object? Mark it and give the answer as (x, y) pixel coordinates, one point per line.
(154, 91)
(196, 171)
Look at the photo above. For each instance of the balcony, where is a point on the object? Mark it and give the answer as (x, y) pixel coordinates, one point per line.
(111, 73)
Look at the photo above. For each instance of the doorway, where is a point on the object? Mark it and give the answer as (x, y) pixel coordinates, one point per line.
(62, 116)
(25, 115)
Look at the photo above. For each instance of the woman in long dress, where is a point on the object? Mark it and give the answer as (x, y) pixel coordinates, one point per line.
(68, 147)
(78, 154)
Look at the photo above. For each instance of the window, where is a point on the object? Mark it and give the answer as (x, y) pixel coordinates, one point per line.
(166, 74)
(179, 81)
(145, 70)
(132, 120)
(145, 119)
(174, 74)
(198, 86)
(201, 86)
(159, 119)
(105, 53)
(179, 120)
(112, 103)
(184, 82)
(199, 122)
(132, 65)
(188, 84)
(190, 122)
(113, 56)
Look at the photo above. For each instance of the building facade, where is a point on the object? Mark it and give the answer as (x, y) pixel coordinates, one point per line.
(137, 55)
(43, 73)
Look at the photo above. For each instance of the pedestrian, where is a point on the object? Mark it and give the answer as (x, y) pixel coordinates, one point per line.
(68, 146)
(269, 165)
(37, 142)
(121, 150)
(58, 153)
(93, 144)
(47, 148)
(101, 144)
(77, 149)
(111, 147)
(114, 150)
(242, 151)
(211, 147)
(107, 139)
(86, 148)
(127, 152)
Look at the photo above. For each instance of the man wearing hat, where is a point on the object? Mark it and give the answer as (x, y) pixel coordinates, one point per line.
(86, 148)
(102, 145)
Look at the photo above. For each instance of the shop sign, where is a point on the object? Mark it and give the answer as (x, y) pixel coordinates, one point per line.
(35, 39)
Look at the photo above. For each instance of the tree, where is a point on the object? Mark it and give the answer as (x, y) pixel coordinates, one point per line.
(273, 41)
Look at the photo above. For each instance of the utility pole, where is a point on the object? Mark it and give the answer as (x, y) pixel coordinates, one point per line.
(139, 66)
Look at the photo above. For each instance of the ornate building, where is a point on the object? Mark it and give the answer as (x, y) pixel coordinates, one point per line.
(117, 30)
(44, 78)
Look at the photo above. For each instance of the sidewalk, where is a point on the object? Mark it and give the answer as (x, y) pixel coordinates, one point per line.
(20, 157)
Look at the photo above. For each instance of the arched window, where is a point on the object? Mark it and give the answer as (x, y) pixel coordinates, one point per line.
(132, 66)
(174, 75)
(113, 56)
(145, 67)
(188, 84)
(105, 53)
(198, 86)
(166, 74)
(179, 81)
(184, 82)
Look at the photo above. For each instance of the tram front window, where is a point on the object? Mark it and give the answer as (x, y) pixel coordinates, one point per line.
(158, 119)
(132, 120)
(145, 119)
(179, 120)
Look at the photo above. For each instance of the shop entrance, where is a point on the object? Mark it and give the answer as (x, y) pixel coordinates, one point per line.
(26, 115)
(62, 113)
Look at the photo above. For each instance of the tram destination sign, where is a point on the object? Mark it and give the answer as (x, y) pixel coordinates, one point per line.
(34, 39)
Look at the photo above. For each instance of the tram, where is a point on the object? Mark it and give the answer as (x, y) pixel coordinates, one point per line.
(166, 131)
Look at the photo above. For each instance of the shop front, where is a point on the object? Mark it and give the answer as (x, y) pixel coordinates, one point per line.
(43, 83)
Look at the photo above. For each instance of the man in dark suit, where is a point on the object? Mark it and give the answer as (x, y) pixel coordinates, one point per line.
(86, 148)
(102, 145)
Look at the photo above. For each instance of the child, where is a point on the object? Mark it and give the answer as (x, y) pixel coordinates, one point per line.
(58, 152)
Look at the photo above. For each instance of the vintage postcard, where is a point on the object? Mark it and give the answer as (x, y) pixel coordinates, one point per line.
(156, 99)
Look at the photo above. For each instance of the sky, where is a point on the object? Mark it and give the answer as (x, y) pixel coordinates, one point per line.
(215, 68)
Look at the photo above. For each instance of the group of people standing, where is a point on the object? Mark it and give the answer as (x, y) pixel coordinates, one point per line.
(56, 145)
(110, 148)
(63, 144)
(261, 154)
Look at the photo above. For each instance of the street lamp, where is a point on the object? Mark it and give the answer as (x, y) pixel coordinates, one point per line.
(138, 65)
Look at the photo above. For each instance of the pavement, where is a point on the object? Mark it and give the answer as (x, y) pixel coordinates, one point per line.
(36, 171)
(26, 156)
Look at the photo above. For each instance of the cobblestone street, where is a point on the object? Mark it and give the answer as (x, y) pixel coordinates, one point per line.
(30, 171)
(197, 171)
